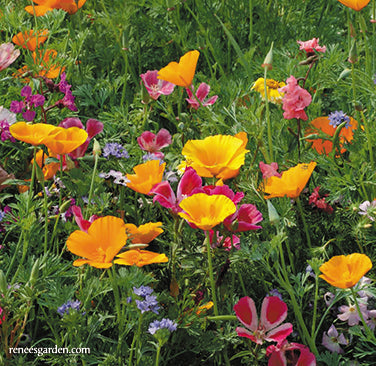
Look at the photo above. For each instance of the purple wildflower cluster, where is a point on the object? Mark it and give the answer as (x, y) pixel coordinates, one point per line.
(162, 324)
(68, 99)
(115, 149)
(149, 302)
(70, 304)
(26, 106)
(7, 118)
(337, 117)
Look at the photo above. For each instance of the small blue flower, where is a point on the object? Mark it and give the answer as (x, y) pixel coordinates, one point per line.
(337, 117)
(149, 304)
(115, 149)
(163, 324)
(64, 309)
(143, 291)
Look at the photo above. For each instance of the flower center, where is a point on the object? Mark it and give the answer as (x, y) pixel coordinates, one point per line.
(272, 84)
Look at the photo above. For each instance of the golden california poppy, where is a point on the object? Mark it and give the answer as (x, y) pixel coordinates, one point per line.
(181, 73)
(70, 6)
(345, 271)
(321, 124)
(49, 170)
(143, 234)
(140, 258)
(29, 39)
(99, 245)
(32, 134)
(291, 183)
(206, 211)
(218, 156)
(65, 140)
(355, 4)
(146, 176)
(272, 87)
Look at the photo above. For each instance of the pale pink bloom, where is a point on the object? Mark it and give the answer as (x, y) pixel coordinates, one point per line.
(294, 100)
(201, 93)
(269, 327)
(269, 170)
(311, 45)
(285, 353)
(8, 54)
(82, 224)
(362, 286)
(351, 315)
(152, 143)
(332, 340)
(371, 322)
(154, 86)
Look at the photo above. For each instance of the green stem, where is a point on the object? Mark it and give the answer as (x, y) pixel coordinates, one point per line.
(211, 276)
(158, 354)
(369, 141)
(219, 318)
(267, 116)
(300, 208)
(15, 254)
(250, 35)
(96, 157)
(135, 338)
(313, 327)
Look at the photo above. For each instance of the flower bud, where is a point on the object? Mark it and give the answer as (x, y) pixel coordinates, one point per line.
(268, 61)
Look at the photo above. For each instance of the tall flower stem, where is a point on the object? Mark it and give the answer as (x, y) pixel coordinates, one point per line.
(267, 116)
(369, 141)
(135, 339)
(96, 157)
(300, 208)
(158, 354)
(211, 276)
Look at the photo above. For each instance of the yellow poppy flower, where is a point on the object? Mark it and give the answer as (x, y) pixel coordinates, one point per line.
(31, 134)
(65, 140)
(272, 87)
(206, 211)
(218, 156)
(345, 271)
(143, 234)
(99, 245)
(146, 176)
(291, 183)
(355, 4)
(181, 73)
(70, 6)
(140, 258)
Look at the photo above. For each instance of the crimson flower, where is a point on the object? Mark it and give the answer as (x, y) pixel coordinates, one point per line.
(285, 353)
(152, 142)
(201, 93)
(244, 219)
(154, 86)
(82, 224)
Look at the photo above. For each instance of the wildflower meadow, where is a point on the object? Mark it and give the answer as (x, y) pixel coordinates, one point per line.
(187, 182)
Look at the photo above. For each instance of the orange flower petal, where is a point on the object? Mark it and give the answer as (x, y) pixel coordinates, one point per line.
(28, 39)
(65, 140)
(143, 234)
(355, 4)
(49, 170)
(140, 258)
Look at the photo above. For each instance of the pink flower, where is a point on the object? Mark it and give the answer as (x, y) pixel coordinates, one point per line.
(244, 219)
(269, 327)
(217, 240)
(154, 86)
(294, 100)
(93, 127)
(2, 318)
(269, 170)
(285, 354)
(82, 224)
(152, 143)
(319, 201)
(8, 54)
(311, 46)
(351, 314)
(332, 340)
(371, 322)
(201, 93)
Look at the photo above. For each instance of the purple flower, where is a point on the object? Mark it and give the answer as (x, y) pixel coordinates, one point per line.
(275, 292)
(28, 115)
(65, 308)
(26, 91)
(154, 86)
(162, 324)
(351, 315)
(68, 99)
(16, 106)
(367, 208)
(143, 291)
(115, 149)
(7, 118)
(332, 340)
(201, 93)
(149, 303)
(26, 106)
(337, 117)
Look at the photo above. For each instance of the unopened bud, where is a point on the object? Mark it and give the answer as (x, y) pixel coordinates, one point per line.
(345, 73)
(353, 54)
(96, 148)
(273, 214)
(268, 61)
(34, 273)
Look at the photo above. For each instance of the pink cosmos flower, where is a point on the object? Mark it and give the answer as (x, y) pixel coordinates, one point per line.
(152, 143)
(269, 170)
(154, 86)
(8, 54)
(285, 354)
(82, 224)
(332, 340)
(294, 100)
(351, 315)
(201, 93)
(311, 45)
(93, 127)
(269, 327)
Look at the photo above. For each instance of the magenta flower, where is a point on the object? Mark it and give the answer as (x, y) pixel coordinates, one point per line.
(217, 240)
(154, 86)
(93, 127)
(82, 224)
(351, 315)
(311, 46)
(294, 354)
(152, 143)
(8, 54)
(269, 170)
(332, 340)
(244, 219)
(201, 93)
(269, 327)
(294, 100)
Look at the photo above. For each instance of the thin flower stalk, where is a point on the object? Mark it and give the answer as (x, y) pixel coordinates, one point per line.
(369, 140)
(96, 157)
(300, 208)
(267, 116)
(211, 276)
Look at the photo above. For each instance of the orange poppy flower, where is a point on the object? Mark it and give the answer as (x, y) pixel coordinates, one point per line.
(205, 307)
(49, 170)
(291, 183)
(345, 271)
(70, 6)
(143, 234)
(31, 134)
(147, 176)
(29, 40)
(218, 156)
(326, 146)
(99, 245)
(206, 211)
(140, 258)
(355, 4)
(181, 73)
(65, 140)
